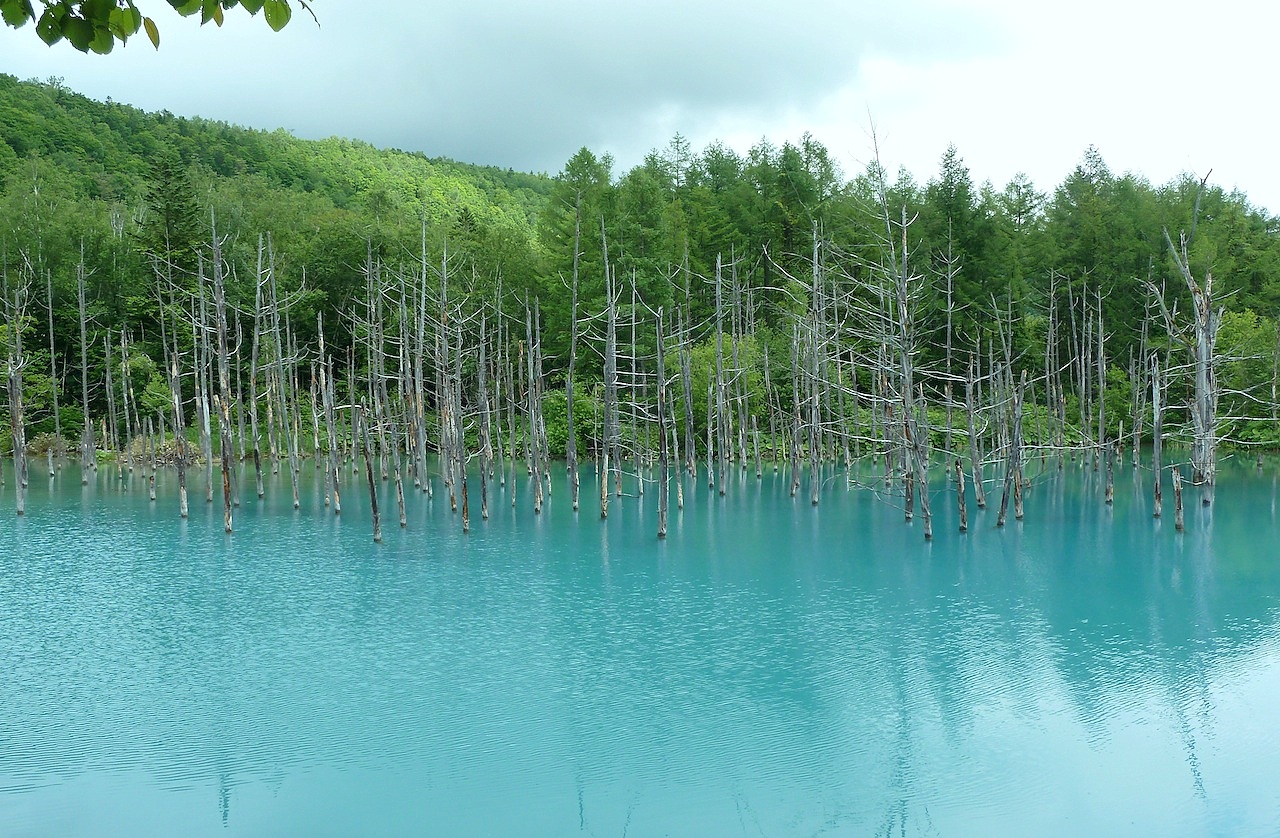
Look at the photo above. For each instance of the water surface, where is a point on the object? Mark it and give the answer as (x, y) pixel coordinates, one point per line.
(771, 669)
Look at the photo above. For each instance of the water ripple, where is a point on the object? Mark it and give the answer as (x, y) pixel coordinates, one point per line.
(758, 671)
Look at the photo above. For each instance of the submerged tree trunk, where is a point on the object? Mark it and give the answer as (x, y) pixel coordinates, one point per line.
(1013, 465)
(361, 425)
(88, 446)
(663, 465)
(571, 440)
(1201, 341)
(224, 380)
(179, 430)
(1157, 434)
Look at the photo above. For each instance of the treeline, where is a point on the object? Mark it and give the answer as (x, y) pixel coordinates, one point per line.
(775, 273)
(112, 188)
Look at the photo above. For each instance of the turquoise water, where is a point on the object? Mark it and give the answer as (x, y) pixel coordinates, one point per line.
(771, 669)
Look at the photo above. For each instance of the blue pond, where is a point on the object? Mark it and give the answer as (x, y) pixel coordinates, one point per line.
(770, 669)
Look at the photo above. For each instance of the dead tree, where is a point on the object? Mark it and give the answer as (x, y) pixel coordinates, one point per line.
(54, 386)
(179, 424)
(260, 280)
(360, 420)
(281, 380)
(571, 441)
(1200, 339)
(15, 303)
(722, 437)
(1157, 433)
(88, 446)
(1013, 463)
(223, 399)
(663, 465)
(975, 443)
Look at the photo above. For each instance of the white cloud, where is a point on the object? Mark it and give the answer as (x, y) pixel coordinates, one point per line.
(1016, 86)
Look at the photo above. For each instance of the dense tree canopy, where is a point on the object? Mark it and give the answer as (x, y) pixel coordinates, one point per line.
(131, 190)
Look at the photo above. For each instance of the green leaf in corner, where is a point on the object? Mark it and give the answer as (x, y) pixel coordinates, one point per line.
(277, 13)
(103, 41)
(188, 8)
(153, 34)
(78, 31)
(16, 12)
(124, 22)
(49, 27)
(252, 6)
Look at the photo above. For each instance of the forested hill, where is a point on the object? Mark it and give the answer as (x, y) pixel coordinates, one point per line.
(127, 199)
(114, 187)
(105, 150)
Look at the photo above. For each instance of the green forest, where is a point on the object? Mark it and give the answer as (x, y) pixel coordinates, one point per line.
(787, 290)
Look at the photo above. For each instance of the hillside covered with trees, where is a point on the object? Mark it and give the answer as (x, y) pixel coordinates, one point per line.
(737, 251)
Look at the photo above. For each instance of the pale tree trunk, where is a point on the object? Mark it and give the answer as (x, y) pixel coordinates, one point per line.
(571, 442)
(88, 446)
(54, 386)
(224, 380)
(1201, 341)
(663, 465)
(15, 311)
(1157, 434)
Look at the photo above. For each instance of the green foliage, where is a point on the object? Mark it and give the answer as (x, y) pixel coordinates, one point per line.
(127, 188)
(555, 416)
(172, 230)
(1248, 346)
(156, 397)
(98, 25)
(749, 374)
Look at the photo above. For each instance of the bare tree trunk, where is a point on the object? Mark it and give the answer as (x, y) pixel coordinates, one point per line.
(361, 423)
(290, 439)
(571, 441)
(722, 435)
(1013, 462)
(15, 310)
(179, 429)
(920, 457)
(486, 445)
(1202, 342)
(255, 343)
(1104, 447)
(459, 434)
(769, 408)
(794, 440)
(755, 444)
(151, 455)
(663, 465)
(711, 436)
(533, 410)
(88, 447)
(54, 386)
(200, 341)
(1157, 433)
(224, 379)
(975, 458)
(126, 389)
(1177, 499)
(111, 435)
(686, 380)
(815, 465)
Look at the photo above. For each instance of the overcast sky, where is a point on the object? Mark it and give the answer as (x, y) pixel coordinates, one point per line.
(1017, 85)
